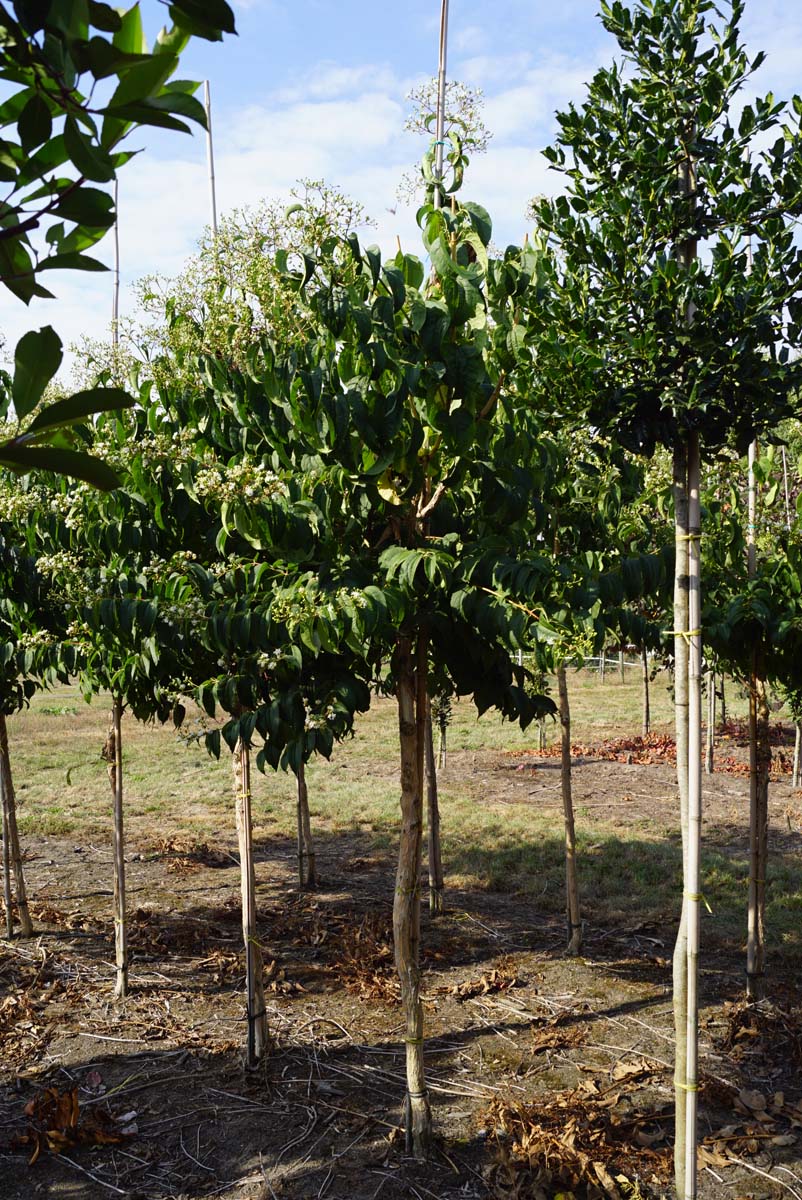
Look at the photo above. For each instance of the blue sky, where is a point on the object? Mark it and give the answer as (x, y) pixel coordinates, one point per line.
(315, 88)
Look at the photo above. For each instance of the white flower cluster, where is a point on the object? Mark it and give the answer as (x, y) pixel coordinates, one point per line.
(225, 484)
(36, 638)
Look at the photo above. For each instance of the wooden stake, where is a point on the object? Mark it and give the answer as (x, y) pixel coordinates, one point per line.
(433, 821)
(571, 878)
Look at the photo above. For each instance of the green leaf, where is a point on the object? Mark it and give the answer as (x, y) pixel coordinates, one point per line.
(91, 161)
(72, 261)
(87, 206)
(35, 123)
(72, 463)
(130, 36)
(208, 19)
(80, 404)
(37, 357)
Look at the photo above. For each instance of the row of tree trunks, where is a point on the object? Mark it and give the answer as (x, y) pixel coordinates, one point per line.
(12, 854)
(258, 1034)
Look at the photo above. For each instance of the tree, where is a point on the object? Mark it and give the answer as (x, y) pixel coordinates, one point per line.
(678, 349)
(67, 134)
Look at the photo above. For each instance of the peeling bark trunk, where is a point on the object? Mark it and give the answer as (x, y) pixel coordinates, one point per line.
(410, 693)
(760, 769)
(680, 959)
(723, 702)
(571, 878)
(647, 709)
(113, 754)
(711, 721)
(307, 873)
(257, 1018)
(10, 823)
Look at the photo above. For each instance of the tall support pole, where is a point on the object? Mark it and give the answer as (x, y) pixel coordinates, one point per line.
(759, 767)
(114, 759)
(115, 300)
(693, 897)
(207, 104)
(440, 119)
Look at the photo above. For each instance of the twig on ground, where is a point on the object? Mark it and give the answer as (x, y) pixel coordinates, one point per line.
(95, 1178)
(765, 1175)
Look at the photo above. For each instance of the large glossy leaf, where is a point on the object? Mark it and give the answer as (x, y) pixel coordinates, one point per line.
(80, 404)
(36, 359)
(72, 463)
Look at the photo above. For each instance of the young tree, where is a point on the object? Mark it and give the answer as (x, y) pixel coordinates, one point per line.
(678, 349)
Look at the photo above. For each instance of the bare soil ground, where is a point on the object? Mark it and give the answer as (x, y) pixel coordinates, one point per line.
(548, 1075)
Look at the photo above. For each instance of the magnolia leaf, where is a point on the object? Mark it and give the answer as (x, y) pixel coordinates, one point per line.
(23, 459)
(80, 404)
(36, 359)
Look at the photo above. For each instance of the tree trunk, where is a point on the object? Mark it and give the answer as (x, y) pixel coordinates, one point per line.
(433, 818)
(693, 897)
(442, 749)
(796, 774)
(254, 983)
(711, 721)
(7, 875)
(113, 754)
(10, 823)
(759, 771)
(571, 879)
(621, 665)
(602, 664)
(647, 710)
(681, 648)
(307, 873)
(411, 694)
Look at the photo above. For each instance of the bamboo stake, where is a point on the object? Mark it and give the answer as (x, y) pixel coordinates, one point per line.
(757, 790)
(115, 302)
(711, 721)
(440, 118)
(647, 711)
(435, 858)
(306, 849)
(257, 1043)
(796, 774)
(113, 754)
(693, 897)
(571, 878)
(207, 103)
(681, 654)
(406, 903)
